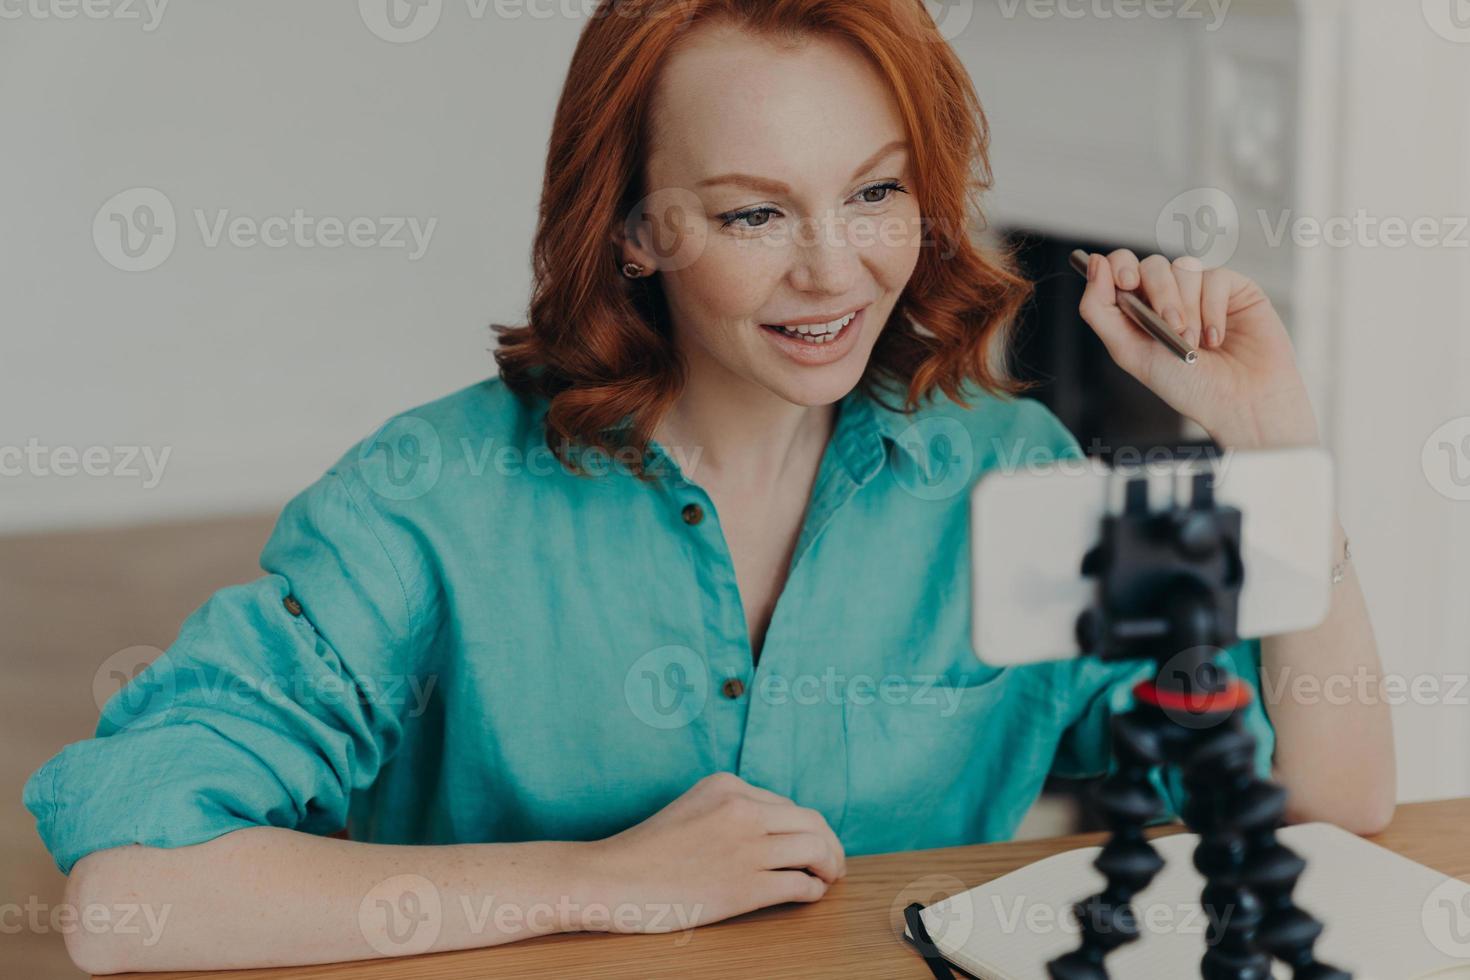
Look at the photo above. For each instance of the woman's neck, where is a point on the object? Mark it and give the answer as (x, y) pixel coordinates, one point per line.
(742, 435)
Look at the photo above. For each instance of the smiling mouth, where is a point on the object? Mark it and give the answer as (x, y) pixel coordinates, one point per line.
(815, 334)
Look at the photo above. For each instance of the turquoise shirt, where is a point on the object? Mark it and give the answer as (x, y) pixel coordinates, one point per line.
(457, 640)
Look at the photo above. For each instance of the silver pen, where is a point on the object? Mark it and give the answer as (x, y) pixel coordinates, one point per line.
(1142, 314)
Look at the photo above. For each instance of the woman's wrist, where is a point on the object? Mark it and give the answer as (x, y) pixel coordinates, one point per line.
(572, 888)
(1272, 423)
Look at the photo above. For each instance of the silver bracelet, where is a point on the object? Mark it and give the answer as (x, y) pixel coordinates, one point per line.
(1339, 571)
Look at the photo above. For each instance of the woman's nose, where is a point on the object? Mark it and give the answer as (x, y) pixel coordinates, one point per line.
(824, 260)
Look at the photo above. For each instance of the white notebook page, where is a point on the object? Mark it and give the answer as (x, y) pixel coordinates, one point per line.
(1386, 918)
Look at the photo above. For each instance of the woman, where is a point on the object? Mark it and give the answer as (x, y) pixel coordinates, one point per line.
(721, 640)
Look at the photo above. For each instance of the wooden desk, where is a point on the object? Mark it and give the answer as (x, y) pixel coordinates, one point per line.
(852, 932)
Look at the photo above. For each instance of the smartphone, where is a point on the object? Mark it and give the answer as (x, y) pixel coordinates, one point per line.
(1031, 528)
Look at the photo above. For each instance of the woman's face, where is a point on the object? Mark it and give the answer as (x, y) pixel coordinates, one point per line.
(781, 221)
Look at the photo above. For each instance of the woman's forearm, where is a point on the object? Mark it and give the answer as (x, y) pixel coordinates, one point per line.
(1323, 686)
(266, 896)
(1334, 744)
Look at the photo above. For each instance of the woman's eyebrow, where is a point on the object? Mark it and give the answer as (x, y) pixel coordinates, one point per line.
(769, 186)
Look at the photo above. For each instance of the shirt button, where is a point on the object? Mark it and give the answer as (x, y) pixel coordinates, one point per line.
(292, 606)
(693, 514)
(733, 688)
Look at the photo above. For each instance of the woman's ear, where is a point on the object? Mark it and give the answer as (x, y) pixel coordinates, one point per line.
(630, 249)
(664, 232)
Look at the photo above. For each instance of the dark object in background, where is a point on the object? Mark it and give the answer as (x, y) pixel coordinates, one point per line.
(1103, 406)
(1075, 377)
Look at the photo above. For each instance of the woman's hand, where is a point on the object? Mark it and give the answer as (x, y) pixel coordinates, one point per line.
(723, 848)
(1245, 390)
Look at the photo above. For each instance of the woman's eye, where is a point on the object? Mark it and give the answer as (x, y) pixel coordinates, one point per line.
(879, 193)
(756, 218)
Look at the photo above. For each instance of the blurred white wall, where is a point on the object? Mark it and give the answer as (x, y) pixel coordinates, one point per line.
(1400, 412)
(254, 367)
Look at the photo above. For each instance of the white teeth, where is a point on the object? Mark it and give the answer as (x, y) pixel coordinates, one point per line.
(818, 333)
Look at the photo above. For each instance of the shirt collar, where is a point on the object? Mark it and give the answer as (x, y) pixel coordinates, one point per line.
(858, 436)
(873, 426)
(867, 430)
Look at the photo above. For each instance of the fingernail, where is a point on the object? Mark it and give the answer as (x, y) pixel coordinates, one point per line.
(1214, 336)
(1091, 267)
(1175, 318)
(1127, 278)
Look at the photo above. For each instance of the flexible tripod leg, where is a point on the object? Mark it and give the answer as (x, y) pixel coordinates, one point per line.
(1250, 875)
(1216, 756)
(1128, 861)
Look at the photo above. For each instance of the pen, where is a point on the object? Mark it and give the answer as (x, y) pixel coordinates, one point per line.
(1140, 313)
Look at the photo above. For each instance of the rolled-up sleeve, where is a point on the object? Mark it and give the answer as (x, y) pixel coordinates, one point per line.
(269, 708)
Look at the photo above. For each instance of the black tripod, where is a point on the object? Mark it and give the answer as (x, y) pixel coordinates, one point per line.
(1169, 586)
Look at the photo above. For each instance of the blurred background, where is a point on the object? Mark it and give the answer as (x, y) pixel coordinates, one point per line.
(239, 236)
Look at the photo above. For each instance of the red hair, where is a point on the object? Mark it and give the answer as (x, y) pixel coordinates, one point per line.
(600, 347)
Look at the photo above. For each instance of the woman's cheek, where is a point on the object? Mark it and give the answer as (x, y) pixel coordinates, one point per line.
(903, 255)
(738, 277)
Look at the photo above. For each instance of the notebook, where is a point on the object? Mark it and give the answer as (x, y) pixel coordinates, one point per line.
(1385, 917)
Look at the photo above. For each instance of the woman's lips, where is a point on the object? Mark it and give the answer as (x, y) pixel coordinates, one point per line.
(810, 350)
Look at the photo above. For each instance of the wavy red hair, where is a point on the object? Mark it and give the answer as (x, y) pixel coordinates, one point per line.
(599, 346)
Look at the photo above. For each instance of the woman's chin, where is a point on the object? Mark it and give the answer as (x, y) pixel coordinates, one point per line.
(815, 387)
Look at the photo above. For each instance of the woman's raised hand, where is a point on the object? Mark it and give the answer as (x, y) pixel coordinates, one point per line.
(1245, 390)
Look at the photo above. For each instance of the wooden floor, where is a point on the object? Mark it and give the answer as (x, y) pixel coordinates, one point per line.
(68, 602)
